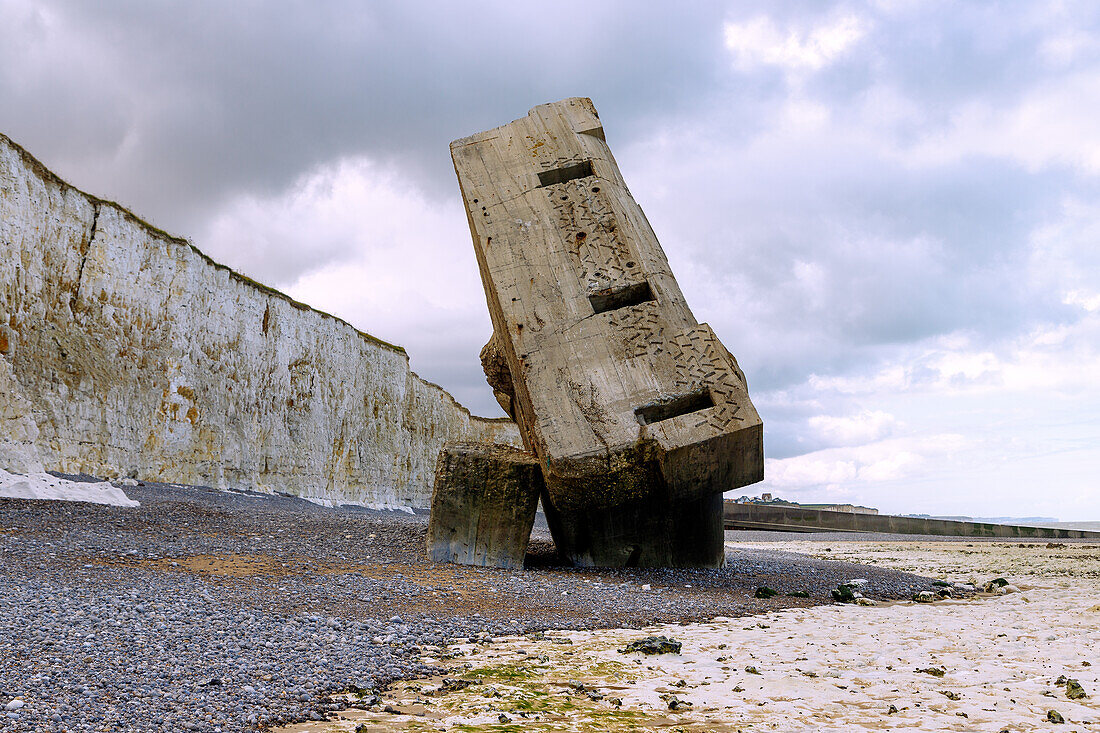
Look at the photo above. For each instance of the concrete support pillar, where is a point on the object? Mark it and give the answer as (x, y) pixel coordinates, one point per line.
(657, 533)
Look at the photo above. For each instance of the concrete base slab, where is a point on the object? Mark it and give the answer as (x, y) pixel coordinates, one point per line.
(659, 532)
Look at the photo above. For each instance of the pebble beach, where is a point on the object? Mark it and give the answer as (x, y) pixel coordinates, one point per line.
(206, 610)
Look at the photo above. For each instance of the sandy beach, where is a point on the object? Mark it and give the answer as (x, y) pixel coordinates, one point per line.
(987, 663)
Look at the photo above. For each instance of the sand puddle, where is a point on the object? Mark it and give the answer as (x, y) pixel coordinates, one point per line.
(828, 668)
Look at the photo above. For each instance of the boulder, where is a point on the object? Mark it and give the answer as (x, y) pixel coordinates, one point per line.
(653, 645)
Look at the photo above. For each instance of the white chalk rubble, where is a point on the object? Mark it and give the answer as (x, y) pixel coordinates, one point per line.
(45, 486)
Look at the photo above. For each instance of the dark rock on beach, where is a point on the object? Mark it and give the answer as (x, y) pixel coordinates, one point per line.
(653, 645)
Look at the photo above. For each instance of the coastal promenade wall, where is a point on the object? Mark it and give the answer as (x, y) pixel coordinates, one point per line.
(797, 519)
(125, 351)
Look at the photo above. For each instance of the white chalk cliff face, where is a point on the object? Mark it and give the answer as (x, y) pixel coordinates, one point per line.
(127, 352)
(18, 431)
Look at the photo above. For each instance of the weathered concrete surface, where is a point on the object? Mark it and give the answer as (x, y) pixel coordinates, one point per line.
(610, 370)
(140, 356)
(627, 400)
(796, 519)
(483, 506)
(495, 366)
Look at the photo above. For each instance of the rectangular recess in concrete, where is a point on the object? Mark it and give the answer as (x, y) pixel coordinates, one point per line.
(624, 297)
(675, 407)
(566, 173)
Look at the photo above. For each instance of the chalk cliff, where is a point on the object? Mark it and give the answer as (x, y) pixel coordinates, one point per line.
(127, 351)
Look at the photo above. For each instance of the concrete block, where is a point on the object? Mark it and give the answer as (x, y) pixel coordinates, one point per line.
(483, 505)
(625, 398)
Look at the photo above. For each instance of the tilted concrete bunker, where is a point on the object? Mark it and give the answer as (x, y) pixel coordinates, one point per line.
(639, 416)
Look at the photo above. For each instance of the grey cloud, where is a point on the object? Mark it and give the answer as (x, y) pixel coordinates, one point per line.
(447, 351)
(902, 254)
(941, 53)
(177, 106)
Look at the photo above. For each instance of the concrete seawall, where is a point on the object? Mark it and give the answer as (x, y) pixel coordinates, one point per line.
(795, 519)
(125, 351)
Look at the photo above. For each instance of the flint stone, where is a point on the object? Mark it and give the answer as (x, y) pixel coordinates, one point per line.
(1074, 690)
(483, 505)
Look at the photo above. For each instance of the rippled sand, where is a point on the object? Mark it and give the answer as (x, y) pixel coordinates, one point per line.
(839, 667)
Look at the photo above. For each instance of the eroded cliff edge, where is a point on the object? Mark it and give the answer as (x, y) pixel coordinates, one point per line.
(138, 355)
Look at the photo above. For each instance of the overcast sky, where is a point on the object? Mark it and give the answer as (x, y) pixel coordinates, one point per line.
(888, 211)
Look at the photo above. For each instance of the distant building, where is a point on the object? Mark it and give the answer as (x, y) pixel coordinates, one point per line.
(847, 508)
(769, 499)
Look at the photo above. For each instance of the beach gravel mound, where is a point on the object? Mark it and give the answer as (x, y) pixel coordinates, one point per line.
(451, 684)
(653, 645)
